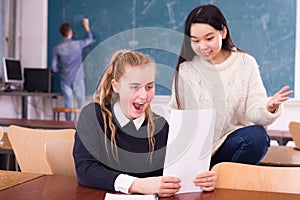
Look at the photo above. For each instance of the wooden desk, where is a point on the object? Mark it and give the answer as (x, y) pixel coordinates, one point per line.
(281, 136)
(63, 187)
(37, 123)
(281, 156)
(11, 178)
(25, 95)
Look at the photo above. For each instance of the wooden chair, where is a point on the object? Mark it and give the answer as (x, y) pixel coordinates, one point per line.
(294, 128)
(58, 110)
(6, 151)
(1, 133)
(60, 158)
(28, 146)
(260, 178)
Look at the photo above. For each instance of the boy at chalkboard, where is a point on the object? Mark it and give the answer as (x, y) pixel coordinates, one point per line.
(67, 61)
(212, 72)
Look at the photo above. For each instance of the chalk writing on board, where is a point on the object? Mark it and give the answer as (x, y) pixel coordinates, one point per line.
(265, 29)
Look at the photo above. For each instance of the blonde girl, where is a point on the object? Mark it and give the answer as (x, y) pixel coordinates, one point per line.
(119, 142)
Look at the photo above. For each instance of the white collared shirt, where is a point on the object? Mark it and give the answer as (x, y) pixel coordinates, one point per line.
(123, 120)
(124, 181)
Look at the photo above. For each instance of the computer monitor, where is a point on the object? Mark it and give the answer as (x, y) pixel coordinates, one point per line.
(37, 80)
(13, 72)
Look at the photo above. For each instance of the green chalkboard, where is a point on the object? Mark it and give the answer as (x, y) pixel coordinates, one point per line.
(265, 29)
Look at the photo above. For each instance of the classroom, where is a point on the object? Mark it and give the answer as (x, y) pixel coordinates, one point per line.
(267, 30)
(46, 36)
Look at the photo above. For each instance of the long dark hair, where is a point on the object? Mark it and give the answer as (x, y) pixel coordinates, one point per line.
(206, 14)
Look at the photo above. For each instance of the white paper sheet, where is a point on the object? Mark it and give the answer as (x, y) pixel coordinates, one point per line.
(110, 196)
(189, 146)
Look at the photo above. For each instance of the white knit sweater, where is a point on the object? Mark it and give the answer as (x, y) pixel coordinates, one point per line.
(234, 88)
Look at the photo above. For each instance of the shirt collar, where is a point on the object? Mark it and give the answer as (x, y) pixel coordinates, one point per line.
(123, 120)
(66, 39)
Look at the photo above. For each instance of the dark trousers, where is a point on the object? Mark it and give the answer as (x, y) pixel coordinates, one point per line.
(246, 145)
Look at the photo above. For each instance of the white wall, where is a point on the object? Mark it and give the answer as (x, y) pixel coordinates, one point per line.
(31, 48)
(297, 55)
(38, 107)
(33, 36)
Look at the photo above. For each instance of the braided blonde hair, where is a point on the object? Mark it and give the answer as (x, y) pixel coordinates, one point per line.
(105, 95)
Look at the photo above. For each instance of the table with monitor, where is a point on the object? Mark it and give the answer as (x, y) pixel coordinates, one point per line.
(25, 95)
(26, 82)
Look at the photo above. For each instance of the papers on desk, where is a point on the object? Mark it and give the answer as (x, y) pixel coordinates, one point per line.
(189, 146)
(110, 196)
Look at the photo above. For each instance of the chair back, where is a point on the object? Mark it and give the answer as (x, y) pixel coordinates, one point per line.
(294, 128)
(260, 178)
(1, 133)
(60, 158)
(28, 146)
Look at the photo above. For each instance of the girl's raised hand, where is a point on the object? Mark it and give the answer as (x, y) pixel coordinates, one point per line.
(281, 96)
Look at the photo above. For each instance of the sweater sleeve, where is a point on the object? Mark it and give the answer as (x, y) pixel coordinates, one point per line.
(256, 104)
(91, 171)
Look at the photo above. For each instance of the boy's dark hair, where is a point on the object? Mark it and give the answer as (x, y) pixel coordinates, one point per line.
(64, 29)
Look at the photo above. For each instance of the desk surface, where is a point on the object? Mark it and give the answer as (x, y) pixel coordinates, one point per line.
(281, 156)
(63, 187)
(11, 178)
(36, 123)
(24, 93)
